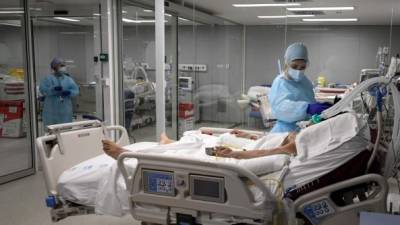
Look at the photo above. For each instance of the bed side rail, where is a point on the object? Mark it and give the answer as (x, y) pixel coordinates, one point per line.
(237, 200)
(341, 203)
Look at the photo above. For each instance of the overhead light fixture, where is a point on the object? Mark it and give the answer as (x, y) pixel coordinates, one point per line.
(322, 8)
(12, 12)
(66, 19)
(9, 23)
(284, 16)
(168, 14)
(266, 5)
(96, 14)
(124, 11)
(139, 21)
(147, 10)
(331, 20)
(183, 19)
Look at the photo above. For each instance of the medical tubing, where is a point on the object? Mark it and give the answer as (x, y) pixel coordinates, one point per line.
(378, 138)
(396, 126)
(344, 102)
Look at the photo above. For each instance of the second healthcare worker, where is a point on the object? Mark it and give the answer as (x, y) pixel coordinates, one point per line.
(57, 89)
(292, 96)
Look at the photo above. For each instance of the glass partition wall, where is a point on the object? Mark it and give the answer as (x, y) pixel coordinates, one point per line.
(16, 151)
(210, 74)
(203, 70)
(217, 60)
(139, 72)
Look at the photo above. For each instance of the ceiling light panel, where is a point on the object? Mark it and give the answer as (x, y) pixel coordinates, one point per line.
(346, 8)
(331, 20)
(12, 12)
(66, 19)
(266, 5)
(284, 16)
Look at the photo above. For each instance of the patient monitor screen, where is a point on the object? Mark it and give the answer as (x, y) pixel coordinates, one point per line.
(158, 182)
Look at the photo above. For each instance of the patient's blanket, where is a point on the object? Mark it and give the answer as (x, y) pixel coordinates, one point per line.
(97, 182)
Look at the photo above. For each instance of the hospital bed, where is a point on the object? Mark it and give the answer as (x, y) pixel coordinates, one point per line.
(257, 99)
(173, 190)
(64, 146)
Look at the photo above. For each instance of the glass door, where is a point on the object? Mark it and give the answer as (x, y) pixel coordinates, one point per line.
(16, 151)
(73, 42)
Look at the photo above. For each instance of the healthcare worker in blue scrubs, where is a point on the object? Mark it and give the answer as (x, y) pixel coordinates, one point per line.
(57, 88)
(292, 96)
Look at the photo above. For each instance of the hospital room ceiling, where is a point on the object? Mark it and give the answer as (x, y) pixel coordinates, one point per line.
(368, 12)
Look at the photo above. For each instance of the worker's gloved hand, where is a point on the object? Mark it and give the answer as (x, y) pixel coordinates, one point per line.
(57, 88)
(65, 93)
(317, 108)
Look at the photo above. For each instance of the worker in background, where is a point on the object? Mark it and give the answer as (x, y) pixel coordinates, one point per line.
(292, 96)
(57, 88)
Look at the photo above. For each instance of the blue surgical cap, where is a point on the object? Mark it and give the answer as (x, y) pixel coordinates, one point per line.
(56, 62)
(296, 51)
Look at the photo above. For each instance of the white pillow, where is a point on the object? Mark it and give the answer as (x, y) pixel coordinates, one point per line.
(327, 135)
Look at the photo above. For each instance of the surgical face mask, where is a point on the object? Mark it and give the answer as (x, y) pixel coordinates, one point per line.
(62, 69)
(296, 75)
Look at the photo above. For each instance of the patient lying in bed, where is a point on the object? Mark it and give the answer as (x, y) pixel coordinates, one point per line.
(317, 149)
(287, 146)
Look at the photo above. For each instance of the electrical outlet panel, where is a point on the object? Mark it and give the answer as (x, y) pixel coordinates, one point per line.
(193, 67)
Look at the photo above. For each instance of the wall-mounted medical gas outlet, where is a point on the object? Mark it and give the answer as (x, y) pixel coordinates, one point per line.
(193, 67)
(103, 57)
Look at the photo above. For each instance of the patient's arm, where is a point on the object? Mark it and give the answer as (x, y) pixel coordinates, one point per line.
(242, 134)
(112, 149)
(288, 148)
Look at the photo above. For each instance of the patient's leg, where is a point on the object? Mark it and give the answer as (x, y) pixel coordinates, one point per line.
(164, 139)
(114, 150)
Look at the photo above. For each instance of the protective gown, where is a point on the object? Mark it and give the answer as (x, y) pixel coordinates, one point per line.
(289, 101)
(57, 108)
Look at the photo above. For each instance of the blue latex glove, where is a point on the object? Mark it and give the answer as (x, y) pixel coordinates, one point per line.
(58, 88)
(65, 93)
(317, 108)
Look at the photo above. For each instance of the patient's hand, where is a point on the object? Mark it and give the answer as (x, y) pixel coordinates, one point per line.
(226, 152)
(242, 134)
(112, 149)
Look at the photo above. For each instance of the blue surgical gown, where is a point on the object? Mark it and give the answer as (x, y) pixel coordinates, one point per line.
(57, 109)
(289, 101)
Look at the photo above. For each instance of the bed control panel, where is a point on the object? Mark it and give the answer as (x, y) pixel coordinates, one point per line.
(317, 210)
(158, 182)
(207, 188)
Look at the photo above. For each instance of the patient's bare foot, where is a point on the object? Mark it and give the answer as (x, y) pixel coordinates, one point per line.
(112, 149)
(164, 139)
